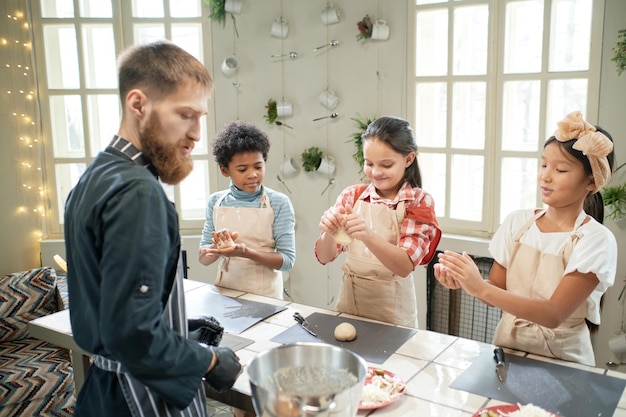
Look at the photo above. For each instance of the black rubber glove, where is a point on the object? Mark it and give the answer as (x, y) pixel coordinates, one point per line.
(226, 370)
(205, 329)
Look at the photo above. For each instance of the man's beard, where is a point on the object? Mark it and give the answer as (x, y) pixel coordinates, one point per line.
(170, 163)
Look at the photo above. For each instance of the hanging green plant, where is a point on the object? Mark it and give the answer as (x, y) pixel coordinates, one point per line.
(365, 28)
(218, 11)
(311, 158)
(615, 201)
(362, 123)
(272, 113)
(619, 50)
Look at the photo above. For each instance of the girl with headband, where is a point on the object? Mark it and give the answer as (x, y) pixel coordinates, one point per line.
(551, 265)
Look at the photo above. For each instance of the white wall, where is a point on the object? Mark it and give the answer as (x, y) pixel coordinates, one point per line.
(370, 79)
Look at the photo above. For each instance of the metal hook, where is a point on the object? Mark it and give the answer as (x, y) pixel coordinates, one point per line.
(330, 182)
(331, 43)
(332, 116)
(292, 55)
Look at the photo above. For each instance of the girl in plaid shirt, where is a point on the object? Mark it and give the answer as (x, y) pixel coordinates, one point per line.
(387, 228)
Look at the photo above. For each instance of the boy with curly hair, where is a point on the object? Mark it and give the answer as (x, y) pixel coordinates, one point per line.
(249, 227)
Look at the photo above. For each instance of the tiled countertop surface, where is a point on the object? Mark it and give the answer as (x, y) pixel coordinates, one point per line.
(428, 362)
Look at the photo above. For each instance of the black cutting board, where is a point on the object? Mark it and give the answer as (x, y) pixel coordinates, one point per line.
(234, 314)
(375, 342)
(567, 391)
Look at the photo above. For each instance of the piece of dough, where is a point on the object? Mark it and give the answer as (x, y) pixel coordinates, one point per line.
(345, 332)
(342, 237)
(225, 244)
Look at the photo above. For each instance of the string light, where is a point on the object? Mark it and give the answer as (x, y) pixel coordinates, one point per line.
(20, 98)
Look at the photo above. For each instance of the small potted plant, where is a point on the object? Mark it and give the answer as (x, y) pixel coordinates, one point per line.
(619, 50)
(365, 29)
(218, 10)
(272, 112)
(362, 123)
(615, 201)
(311, 159)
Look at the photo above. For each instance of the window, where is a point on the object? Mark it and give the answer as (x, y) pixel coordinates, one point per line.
(80, 40)
(491, 79)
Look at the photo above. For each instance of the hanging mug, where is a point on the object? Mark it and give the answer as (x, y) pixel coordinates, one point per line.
(329, 15)
(289, 167)
(329, 99)
(327, 165)
(284, 108)
(230, 65)
(280, 28)
(233, 6)
(380, 30)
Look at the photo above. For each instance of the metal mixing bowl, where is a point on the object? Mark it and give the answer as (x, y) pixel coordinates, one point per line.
(271, 402)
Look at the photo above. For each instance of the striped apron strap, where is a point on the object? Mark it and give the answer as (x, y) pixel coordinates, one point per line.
(141, 401)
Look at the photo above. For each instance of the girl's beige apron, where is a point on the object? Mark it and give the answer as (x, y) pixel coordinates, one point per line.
(536, 274)
(255, 227)
(368, 288)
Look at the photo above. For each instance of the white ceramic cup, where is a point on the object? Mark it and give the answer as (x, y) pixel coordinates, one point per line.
(329, 15)
(327, 165)
(289, 167)
(233, 6)
(280, 28)
(329, 99)
(284, 108)
(380, 30)
(230, 65)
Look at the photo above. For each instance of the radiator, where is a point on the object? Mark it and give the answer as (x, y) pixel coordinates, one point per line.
(455, 312)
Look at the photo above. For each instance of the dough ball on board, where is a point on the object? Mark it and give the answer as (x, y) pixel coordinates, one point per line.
(345, 332)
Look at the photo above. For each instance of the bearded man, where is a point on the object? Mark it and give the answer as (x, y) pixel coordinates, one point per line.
(123, 244)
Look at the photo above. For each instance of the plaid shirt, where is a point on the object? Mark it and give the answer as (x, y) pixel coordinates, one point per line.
(415, 235)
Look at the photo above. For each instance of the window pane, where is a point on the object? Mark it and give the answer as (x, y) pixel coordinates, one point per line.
(146, 33)
(431, 43)
(201, 147)
(99, 49)
(57, 8)
(468, 117)
(564, 97)
(147, 8)
(66, 117)
(466, 187)
(104, 120)
(520, 115)
(96, 8)
(523, 33)
(420, 2)
(194, 192)
(430, 114)
(471, 29)
(61, 56)
(67, 176)
(571, 35)
(433, 165)
(184, 8)
(188, 36)
(519, 185)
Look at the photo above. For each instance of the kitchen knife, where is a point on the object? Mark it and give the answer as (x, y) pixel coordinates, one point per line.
(498, 356)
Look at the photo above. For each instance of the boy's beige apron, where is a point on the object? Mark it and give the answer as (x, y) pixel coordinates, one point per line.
(368, 288)
(536, 274)
(255, 227)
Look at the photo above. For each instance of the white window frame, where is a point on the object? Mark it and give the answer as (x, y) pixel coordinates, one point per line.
(495, 79)
(122, 23)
